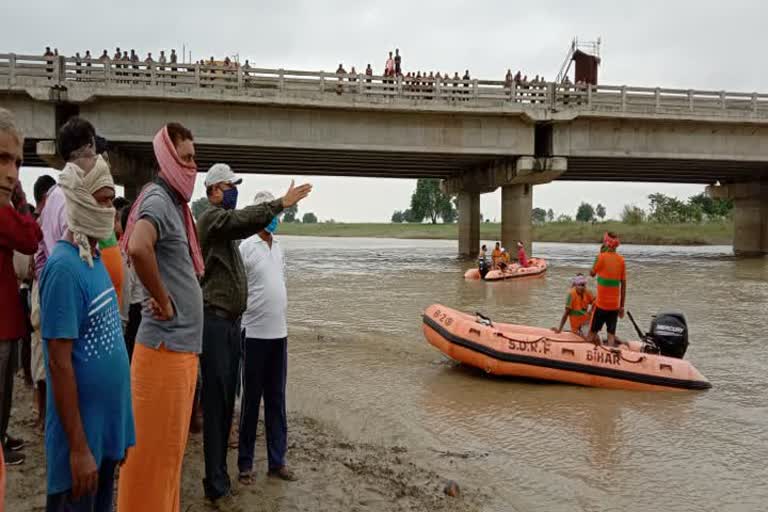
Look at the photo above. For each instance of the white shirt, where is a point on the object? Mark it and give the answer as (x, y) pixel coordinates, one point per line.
(265, 315)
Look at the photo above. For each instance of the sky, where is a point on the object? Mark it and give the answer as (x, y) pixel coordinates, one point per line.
(682, 44)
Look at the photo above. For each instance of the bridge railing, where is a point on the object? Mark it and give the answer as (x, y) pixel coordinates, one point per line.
(29, 70)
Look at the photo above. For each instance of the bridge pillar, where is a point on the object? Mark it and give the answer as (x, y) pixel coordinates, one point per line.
(131, 171)
(516, 176)
(750, 215)
(516, 206)
(469, 223)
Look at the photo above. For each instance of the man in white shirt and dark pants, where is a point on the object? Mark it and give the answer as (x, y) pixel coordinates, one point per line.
(265, 351)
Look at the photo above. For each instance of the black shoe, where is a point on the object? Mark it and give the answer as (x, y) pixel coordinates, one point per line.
(14, 444)
(13, 458)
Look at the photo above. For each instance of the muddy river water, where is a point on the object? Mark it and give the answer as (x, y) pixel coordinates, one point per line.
(358, 359)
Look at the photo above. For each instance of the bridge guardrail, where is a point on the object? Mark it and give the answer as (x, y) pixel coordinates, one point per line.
(29, 70)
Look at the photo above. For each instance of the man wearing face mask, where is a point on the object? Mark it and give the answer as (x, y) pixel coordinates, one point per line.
(225, 295)
(265, 351)
(89, 423)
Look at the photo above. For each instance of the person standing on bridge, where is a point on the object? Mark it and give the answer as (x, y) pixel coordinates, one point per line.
(610, 270)
(225, 295)
(161, 242)
(398, 60)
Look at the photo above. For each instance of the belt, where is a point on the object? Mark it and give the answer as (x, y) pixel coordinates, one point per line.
(221, 313)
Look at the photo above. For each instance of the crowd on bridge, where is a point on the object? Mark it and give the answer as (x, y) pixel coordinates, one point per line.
(116, 306)
(130, 67)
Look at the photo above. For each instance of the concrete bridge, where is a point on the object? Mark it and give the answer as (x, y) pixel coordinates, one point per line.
(476, 135)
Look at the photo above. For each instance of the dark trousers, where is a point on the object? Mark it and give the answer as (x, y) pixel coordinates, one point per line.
(26, 341)
(220, 368)
(99, 502)
(132, 327)
(265, 365)
(7, 369)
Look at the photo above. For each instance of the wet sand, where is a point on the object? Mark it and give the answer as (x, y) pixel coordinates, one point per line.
(335, 473)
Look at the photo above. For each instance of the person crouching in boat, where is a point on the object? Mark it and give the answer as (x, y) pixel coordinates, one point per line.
(496, 256)
(577, 307)
(610, 270)
(482, 261)
(522, 258)
(505, 261)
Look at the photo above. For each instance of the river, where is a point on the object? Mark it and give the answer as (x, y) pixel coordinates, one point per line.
(359, 360)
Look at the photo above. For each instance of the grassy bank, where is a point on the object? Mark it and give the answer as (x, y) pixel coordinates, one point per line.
(574, 232)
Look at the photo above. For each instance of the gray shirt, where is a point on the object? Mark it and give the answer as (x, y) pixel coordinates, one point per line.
(183, 333)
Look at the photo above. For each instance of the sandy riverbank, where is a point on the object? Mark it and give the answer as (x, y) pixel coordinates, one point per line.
(335, 473)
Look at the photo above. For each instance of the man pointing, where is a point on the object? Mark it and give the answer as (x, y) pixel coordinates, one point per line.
(225, 296)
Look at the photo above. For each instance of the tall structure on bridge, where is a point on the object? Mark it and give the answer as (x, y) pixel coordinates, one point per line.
(475, 135)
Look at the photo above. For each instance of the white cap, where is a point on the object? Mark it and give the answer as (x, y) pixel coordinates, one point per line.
(265, 196)
(221, 173)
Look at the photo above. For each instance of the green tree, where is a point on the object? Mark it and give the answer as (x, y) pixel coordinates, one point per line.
(289, 214)
(667, 209)
(550, 215)
(309, 218)
(713, 209)
(539, 215)
(428, 201)
(600, 211)
(199, 206)
(585, 213)
(408, 216)
(397, 217)
(450, 211)
(564, 218)
(631, 214)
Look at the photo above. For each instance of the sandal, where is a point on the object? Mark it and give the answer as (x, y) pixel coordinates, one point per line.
(245, 477)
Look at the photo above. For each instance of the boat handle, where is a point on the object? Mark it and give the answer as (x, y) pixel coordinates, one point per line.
(665, 367)
(568, 351)
(482, 319)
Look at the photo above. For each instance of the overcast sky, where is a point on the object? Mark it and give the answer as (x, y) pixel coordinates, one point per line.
(686, 44)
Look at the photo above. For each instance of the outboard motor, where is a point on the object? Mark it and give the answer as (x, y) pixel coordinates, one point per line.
(483, 267)
(669, 332)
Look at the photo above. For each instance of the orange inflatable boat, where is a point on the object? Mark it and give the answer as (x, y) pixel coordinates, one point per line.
(536, 267)
(538, 353)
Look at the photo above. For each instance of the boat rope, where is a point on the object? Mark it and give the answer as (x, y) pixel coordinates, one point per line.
(640, 359)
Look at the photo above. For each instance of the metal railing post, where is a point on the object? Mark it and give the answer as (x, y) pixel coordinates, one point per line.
(722, 100)
(623, 98)
(552, 94)
(57, 69)
(239, 71)
(658, 99)
(513, 92)
(754, 103)
(322, 81)
(589, 96)
(281, 80)
(475, 91)
(197, 75)
(12, 69)
(690, 100)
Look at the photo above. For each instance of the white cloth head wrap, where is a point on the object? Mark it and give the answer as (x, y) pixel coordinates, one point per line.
(86, 218)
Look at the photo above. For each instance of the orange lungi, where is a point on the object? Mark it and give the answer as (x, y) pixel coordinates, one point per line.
(162, 388)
